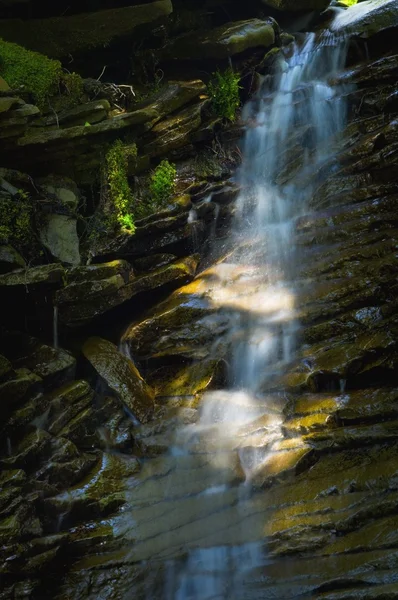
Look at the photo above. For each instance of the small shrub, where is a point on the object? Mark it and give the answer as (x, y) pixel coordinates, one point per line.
(162, 184)
(118, 186)
(224, 92)
(38, 74)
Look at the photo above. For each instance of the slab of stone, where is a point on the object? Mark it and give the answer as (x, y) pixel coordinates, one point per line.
(121, 376)
(222, 42)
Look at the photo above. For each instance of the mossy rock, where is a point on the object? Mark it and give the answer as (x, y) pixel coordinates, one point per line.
(121, 376)
(222, 42)
(32, 71)
(63, 36)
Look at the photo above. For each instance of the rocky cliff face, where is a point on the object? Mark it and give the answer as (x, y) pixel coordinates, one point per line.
(79, 416)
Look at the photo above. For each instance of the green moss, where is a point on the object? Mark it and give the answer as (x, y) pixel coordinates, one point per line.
(72, 89)
(224, 92)
(16, 216)
(39, 75)
(162, 184)
(118, 186)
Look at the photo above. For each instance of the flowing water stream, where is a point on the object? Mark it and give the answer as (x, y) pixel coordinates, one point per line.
(202, 525)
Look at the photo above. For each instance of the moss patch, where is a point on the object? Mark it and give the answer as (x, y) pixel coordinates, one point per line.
(39, 75)
(162, 184)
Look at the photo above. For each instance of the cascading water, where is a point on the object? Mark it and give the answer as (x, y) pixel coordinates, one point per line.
(256, 290)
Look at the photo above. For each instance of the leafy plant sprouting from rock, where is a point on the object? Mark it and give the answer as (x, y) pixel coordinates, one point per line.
(39, 75)
(121, 198)
(224, 92)
(162, 184)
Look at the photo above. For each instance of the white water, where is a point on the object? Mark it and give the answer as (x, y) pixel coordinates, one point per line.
(257, 290)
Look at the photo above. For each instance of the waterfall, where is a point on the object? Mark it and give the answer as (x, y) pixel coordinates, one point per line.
(290, 125)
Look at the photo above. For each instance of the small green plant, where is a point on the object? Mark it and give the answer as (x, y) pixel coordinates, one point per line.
(118, 186)
(162, 184)
(224, 92)
(39, 75)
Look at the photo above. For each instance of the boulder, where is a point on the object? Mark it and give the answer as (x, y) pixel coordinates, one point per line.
(121, 376)
(59, 235)
(222, 42)
(63, 36)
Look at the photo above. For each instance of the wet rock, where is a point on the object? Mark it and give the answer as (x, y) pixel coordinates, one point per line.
(188, 380)
(222, 42)
(100, 493)
(281, 465)
(10, 259)
(121, 376)
(365, 19)
(175, 274)
(59, 235)
(61, 36)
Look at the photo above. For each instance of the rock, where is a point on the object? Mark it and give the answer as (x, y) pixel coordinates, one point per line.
(283, 464)
(62, 36)
(58, 234)
(62, 191)
(173, 96)
(174, 132)
(295, 5)
(121, 376)
(150, 263)
(174, 380)
(89, 112)
(365, 19)
(10, 259)
(43, 275)
(222, 42)
(92, 290)
(74, 152)
(53, 366)
(7, 103)
(100, 493)
(176, 273)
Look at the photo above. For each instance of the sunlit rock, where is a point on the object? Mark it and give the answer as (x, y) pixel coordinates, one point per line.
(121, 376)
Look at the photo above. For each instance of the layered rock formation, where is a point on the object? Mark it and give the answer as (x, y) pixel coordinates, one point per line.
(80, 517)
